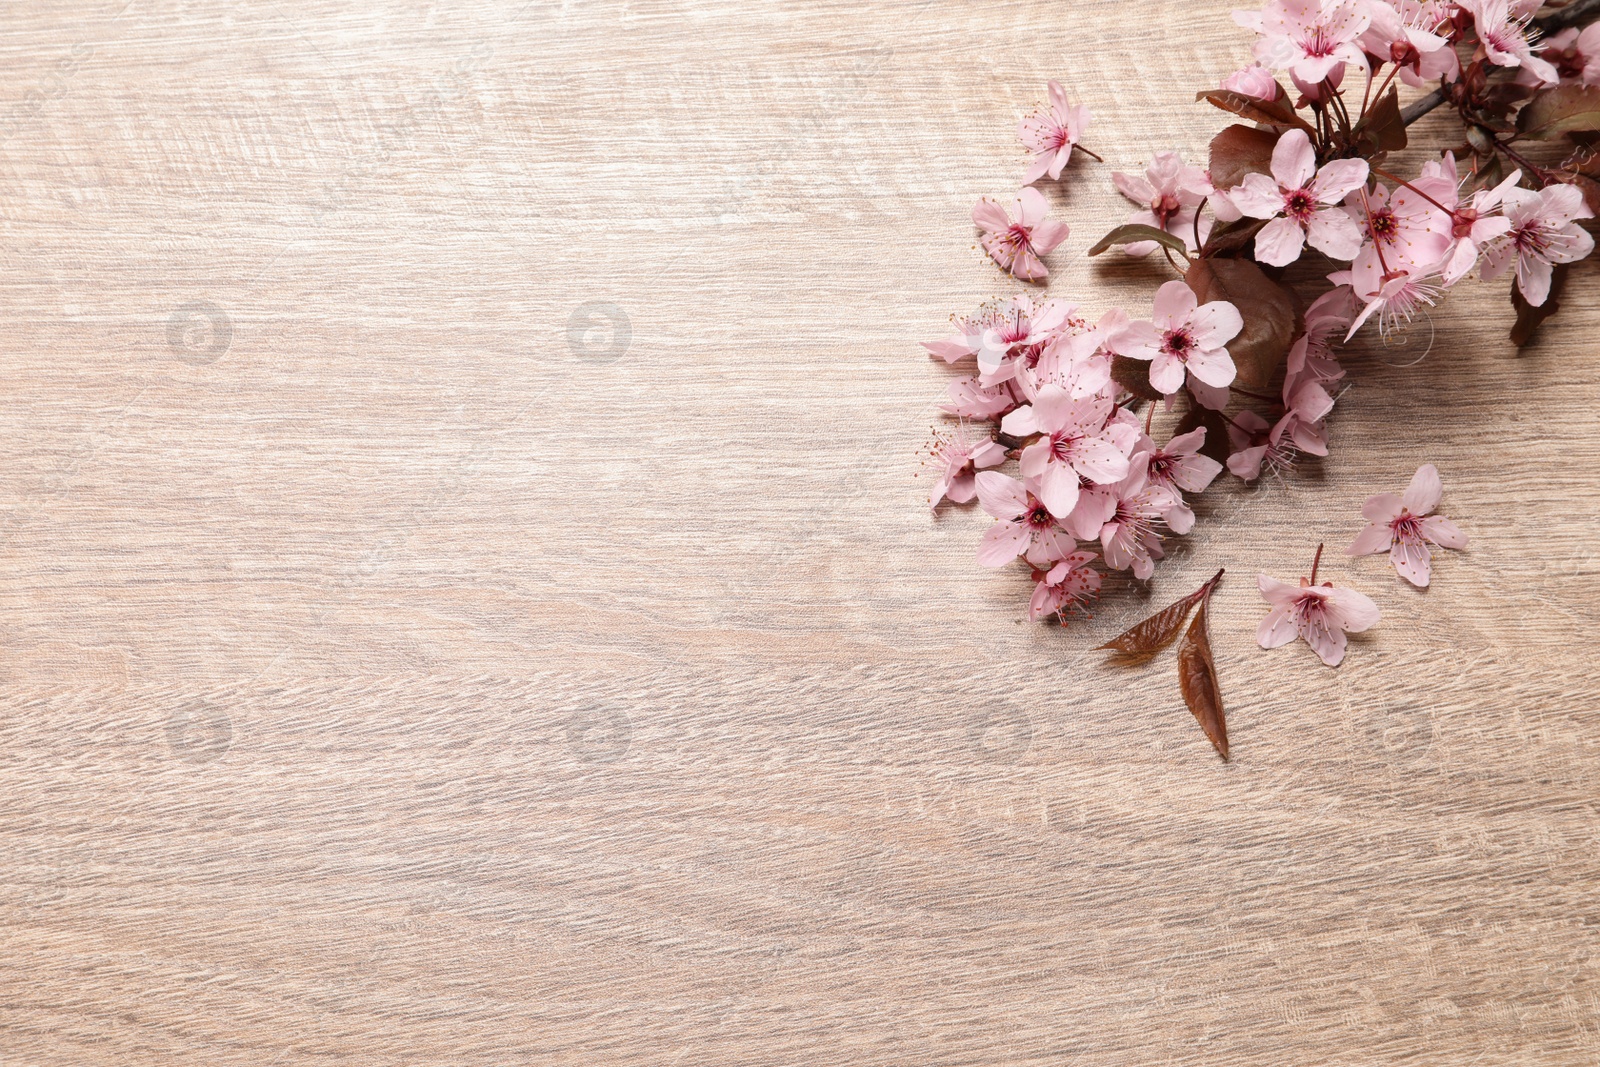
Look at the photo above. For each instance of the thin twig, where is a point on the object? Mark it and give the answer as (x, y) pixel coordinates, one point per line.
(1411, 113)
(1574, 14)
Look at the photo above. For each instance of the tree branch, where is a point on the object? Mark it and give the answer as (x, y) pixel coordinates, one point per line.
(1415, 111)
(1577, 13)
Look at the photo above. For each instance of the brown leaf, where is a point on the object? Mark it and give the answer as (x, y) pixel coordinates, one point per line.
(1197, 677)
(1530, 318)
(1134, 376)
(1232, 237)
(1151, 635)
(1278, 112)
(1384, 127)
(1216, 445)
(1135, 232)
(1269, 310)
(1564, 109)
(1240, 150)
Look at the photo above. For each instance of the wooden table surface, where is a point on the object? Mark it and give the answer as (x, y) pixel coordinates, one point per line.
(467, 599)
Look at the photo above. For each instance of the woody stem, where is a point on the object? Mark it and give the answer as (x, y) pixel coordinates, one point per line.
(1315, 563)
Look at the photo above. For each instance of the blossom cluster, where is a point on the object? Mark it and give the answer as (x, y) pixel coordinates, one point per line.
(1070, 395)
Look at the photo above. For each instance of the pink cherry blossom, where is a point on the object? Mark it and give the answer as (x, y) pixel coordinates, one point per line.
(1184, 336)
(1473, 225)
(1076, 441)
(1407, 34)
(1301, 424)
(1302, 203)
(1309, 38)
(1542, 234)
(1405, 231)
(1000, 335)
(1069, 584)
(1017, 246)
(1503, 31)
(1320, 614)
(1051, 133)
(1026, 527)
(1255, 449)
(1169, 194)
(971, 399)
(955, 458)
(1130, 537)
(1394, 300)
(1405, 526)
(1574, 54)
(1180, 468)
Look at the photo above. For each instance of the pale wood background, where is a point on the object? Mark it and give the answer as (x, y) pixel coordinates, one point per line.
(389, 681)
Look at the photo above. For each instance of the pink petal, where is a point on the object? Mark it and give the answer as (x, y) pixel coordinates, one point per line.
(1002, 543)
(1277, 629)
(1137, 189)
(1058, 488)
(1294, 161)
(1328, 642)
(1280, 242)
(1384, 508)
(1276, 593)
(1257, 196)
(1038, 168)
(1375, 538)
(1351, 611)
(1422, 495)
(1031, 207)
(1166, 373)
(1338, 179)
(1001, 496)
(1442, 532)
(1214, 368)
(1173, 303)
(1215, 324)
(1334, 233)
(1047, 235)
(990, 216)
(1098, 460)
(1412, 561)
(1029, 268)
(1136, 340)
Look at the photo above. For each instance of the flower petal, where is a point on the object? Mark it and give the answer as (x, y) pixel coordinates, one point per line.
(1411, 560)
(1058, 488)
(1031, 207)
(1422, 495)
(1174, 302)
(1214, 324)
(990, 216)
(1384, 508)
(1375, 538)
(1352, 611)
(1002, 543)
(1442, 532)
(1294, 161)
(1001, 495)
(1277, 629)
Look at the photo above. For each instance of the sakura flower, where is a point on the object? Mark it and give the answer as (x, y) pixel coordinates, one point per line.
(1026, 527)
(1076, 440)
(1542, 234)
(1130, 537)
(1405, 526)
(1255, 448)
(1308, 38)
(1472, 226)
(1395, 300)
(1180, 468)
(1502, 29)
(1320, 614)
(1302, 203)
(1405, 231)
(1301, 424)
(1169, 194)
(956, 458)
(1000, 334)
(1184, 336)
(1406, 33)
(1017, 246)
(1071, 583)
(1574, 54)
(971, 399)
(1051, 133)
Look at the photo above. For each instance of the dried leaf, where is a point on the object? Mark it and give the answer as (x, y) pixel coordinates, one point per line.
(1151, 635)
(1269, 310)
(1240, 150)
(1384, 127)
(1530, 318)
(1564, 109)
(1276, 112)
(1197, 677)
(1135, 232)
(1134, 376)
(1232, 237)
(1216, 445)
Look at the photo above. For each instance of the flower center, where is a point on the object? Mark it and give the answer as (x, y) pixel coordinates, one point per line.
(1300, 205)
(1179, 343)
(1018, 235)
(1384, 226)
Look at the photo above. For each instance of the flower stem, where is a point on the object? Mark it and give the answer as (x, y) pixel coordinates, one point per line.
(1316, 563)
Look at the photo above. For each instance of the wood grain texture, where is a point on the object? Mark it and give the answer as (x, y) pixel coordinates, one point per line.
(467, 599)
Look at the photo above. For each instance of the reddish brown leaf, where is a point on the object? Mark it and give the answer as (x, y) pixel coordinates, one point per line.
(1270, 314)
(1197, 677)
(1134, 376)
(1530, 318)
(1240, 150)
(1278, 112)
(1232, 237)
(1564, 109)
(1384, 127)
(1155, 633)
(1216, 445)
(1135, 232)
